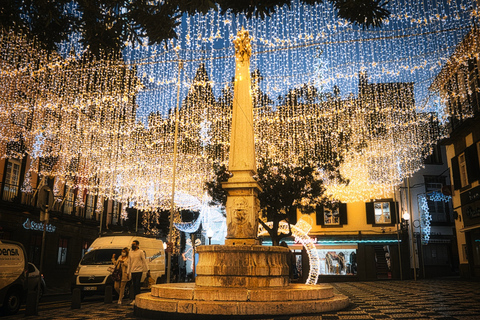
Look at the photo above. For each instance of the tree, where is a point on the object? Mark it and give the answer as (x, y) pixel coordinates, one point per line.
(285, 188)
(106, 25)
(307, 94)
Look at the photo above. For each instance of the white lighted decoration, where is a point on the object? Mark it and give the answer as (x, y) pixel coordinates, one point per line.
(38, 226)
(426, 217)
(323, 90)
(300, 232)
(210, 217)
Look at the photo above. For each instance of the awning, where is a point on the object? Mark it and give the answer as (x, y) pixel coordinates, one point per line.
(469, 228)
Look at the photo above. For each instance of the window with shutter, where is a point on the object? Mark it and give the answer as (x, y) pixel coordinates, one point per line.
(471, 162)
(381, 212)
(370, 213)
(319, 215)
(343, 213)
(331, 216)
(12, 180)
(462, 165)
(457, 183)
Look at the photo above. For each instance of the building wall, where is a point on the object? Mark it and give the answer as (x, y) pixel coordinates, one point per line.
(458, 84)
(461, 241)
(371, 243)
(68, 234)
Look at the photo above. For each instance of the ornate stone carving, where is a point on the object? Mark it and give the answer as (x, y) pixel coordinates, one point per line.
(239, 226)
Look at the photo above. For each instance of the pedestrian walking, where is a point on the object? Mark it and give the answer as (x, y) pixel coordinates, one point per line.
(137, 264)
(122, 276)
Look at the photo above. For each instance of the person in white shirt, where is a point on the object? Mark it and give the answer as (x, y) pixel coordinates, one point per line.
(137, 264)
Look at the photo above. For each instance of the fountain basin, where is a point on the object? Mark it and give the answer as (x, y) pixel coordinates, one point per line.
(190, 301)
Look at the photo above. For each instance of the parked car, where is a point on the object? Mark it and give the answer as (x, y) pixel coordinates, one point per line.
(13, 276)
(93, 273)
(34, 277)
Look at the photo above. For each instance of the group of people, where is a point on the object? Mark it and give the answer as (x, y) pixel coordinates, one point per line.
(132, 264)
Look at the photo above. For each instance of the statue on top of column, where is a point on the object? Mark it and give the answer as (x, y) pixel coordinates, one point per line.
(243, 48)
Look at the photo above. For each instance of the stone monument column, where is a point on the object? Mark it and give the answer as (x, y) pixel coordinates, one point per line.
(240, 278)
(242, 202)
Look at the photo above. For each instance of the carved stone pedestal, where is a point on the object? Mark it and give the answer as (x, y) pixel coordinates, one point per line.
(242, 266)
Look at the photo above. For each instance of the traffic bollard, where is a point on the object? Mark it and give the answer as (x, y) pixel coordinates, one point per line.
(76, 298)
(31, 309)
(108, 294)
(132, 291)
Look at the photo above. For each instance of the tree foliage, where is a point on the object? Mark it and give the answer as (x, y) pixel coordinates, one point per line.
(285, 188)
(107, 25)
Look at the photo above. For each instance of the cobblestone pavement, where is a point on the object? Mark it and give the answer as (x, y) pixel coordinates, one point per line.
(422, 299)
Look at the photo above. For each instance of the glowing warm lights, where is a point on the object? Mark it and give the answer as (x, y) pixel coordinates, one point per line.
(323, 91)
(300, 232)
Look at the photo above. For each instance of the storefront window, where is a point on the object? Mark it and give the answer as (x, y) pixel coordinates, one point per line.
(338, 261)
(382, 212)
(35, 248)
(298, 272)
(85, 246)
(62, 251)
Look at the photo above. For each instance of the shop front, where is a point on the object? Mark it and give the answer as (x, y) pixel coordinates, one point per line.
(65, 241)
(355, 258)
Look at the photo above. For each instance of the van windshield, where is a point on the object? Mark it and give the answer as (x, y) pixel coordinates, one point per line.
(100, 256)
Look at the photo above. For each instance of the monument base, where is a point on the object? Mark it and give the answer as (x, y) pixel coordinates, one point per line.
(190, 301)
(242, 266)
(243, 282)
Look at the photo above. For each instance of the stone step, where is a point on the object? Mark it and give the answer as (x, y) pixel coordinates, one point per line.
(189, 291)
(156, 306)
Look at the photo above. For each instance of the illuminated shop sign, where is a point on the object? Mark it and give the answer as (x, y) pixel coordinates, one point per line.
(38, 226)
(309, 240)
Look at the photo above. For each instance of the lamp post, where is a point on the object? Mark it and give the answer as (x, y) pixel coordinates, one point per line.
(44, 218)
(209, 236)
(174, 170)
(406, 218)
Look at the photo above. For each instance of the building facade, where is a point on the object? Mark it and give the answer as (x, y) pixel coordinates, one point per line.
(458, 84)
(73, 224)
(426, 211)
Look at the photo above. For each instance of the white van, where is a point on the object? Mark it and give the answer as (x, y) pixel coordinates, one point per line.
(13, 276)
(93, 273)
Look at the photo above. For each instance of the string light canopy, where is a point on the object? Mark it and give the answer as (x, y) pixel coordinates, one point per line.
(324, 91)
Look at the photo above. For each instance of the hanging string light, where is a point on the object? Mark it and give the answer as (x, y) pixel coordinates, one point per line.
(323, 92)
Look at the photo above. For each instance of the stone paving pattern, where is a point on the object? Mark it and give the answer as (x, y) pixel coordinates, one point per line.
(422, 299)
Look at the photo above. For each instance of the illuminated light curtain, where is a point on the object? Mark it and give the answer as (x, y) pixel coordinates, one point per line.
(106, 126)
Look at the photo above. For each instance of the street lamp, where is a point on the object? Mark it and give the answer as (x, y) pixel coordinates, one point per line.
(405, 218)
(209, 235)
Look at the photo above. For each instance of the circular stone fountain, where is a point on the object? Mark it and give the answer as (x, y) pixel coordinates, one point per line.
(238, 282)
(240, 279)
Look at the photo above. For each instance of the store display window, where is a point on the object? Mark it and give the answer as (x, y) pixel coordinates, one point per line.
(338, 261)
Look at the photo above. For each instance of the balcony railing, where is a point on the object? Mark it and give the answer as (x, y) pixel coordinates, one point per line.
(10, 192)
(13, 193)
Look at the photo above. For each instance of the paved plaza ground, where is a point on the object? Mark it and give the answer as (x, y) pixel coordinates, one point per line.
(421, 299)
